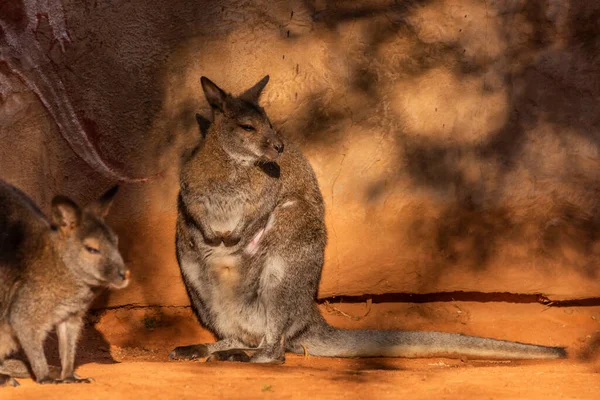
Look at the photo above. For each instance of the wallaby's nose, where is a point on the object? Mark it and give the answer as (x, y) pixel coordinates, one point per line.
(125, 274)
(278, 147)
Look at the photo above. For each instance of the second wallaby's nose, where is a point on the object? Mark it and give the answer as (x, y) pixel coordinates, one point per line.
(278, 147)
(125, 274)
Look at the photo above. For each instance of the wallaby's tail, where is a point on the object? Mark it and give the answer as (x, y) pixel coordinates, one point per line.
(328, 341)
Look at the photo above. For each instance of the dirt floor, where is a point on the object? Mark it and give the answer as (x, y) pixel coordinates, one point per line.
(314, 378)
(125, 350)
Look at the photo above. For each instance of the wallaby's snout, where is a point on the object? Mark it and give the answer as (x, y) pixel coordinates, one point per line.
(115, 272)
(119, 278)
(273, 147)
(279, 147)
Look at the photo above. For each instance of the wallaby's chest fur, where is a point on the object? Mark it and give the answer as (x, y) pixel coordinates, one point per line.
(227, 189)
(222, 276)
(231, 286)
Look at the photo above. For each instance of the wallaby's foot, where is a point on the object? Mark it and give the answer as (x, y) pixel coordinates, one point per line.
(264, 356)
(189, 352)
(70, 379)
(229, 355)
(75, 379)
(7, 380)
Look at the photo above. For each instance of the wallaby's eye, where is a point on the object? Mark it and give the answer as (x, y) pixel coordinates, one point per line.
(247, 128)
(92, 250)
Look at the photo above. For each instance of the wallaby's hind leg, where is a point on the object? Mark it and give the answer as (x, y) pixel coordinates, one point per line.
(278, 295)
(190, 352)
(7, 346)
(7, 341)
(229, 355)
(204, 350)
(32, 342)
(272, 353)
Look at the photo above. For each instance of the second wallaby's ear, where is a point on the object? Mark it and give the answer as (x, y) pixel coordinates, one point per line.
(101, 206)
(214, 95)
(66, 215)
(253, 94)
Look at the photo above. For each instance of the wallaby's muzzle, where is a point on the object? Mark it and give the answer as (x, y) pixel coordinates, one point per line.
(273, 147)
(119, 275)
(121, 281)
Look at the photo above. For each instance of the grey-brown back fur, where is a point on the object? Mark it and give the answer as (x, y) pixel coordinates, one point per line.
(250, 245)
(50, 271)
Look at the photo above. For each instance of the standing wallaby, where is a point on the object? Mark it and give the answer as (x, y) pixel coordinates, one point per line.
(49, 274)
(250, 245)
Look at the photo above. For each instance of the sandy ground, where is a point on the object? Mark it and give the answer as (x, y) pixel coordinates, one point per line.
(125, 350)
(325, 379)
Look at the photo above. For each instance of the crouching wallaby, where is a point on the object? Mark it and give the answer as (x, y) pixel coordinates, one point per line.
(50, 271)
(250, 245)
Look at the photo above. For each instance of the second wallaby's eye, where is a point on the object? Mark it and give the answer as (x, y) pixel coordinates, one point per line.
(92, 250)
(248, 128)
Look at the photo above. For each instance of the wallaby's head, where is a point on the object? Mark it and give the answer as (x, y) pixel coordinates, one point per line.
(242, 126)
(88, 246)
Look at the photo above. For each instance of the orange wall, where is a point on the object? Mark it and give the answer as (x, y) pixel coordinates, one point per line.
(455, 142)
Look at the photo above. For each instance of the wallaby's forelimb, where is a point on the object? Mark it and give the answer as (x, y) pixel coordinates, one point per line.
(68, 333)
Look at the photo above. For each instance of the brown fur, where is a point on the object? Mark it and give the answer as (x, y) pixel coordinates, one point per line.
(50, 271)
(250, 244)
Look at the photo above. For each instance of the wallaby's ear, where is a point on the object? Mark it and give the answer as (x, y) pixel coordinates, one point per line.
(66, 215)
(253, 94)
(215, 96)
(101, 206)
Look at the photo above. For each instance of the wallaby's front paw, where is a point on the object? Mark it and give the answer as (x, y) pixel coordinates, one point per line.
(229, 355)
(231, 239)
(189, 352)
(7, 380)
(75, 379)
(213, 239)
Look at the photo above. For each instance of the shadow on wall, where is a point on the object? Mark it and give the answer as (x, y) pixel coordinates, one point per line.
(485, 113)
(525, 181)
(591, 351)
(79, 61)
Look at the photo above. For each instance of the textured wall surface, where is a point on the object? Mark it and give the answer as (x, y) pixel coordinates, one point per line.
(456, 142)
